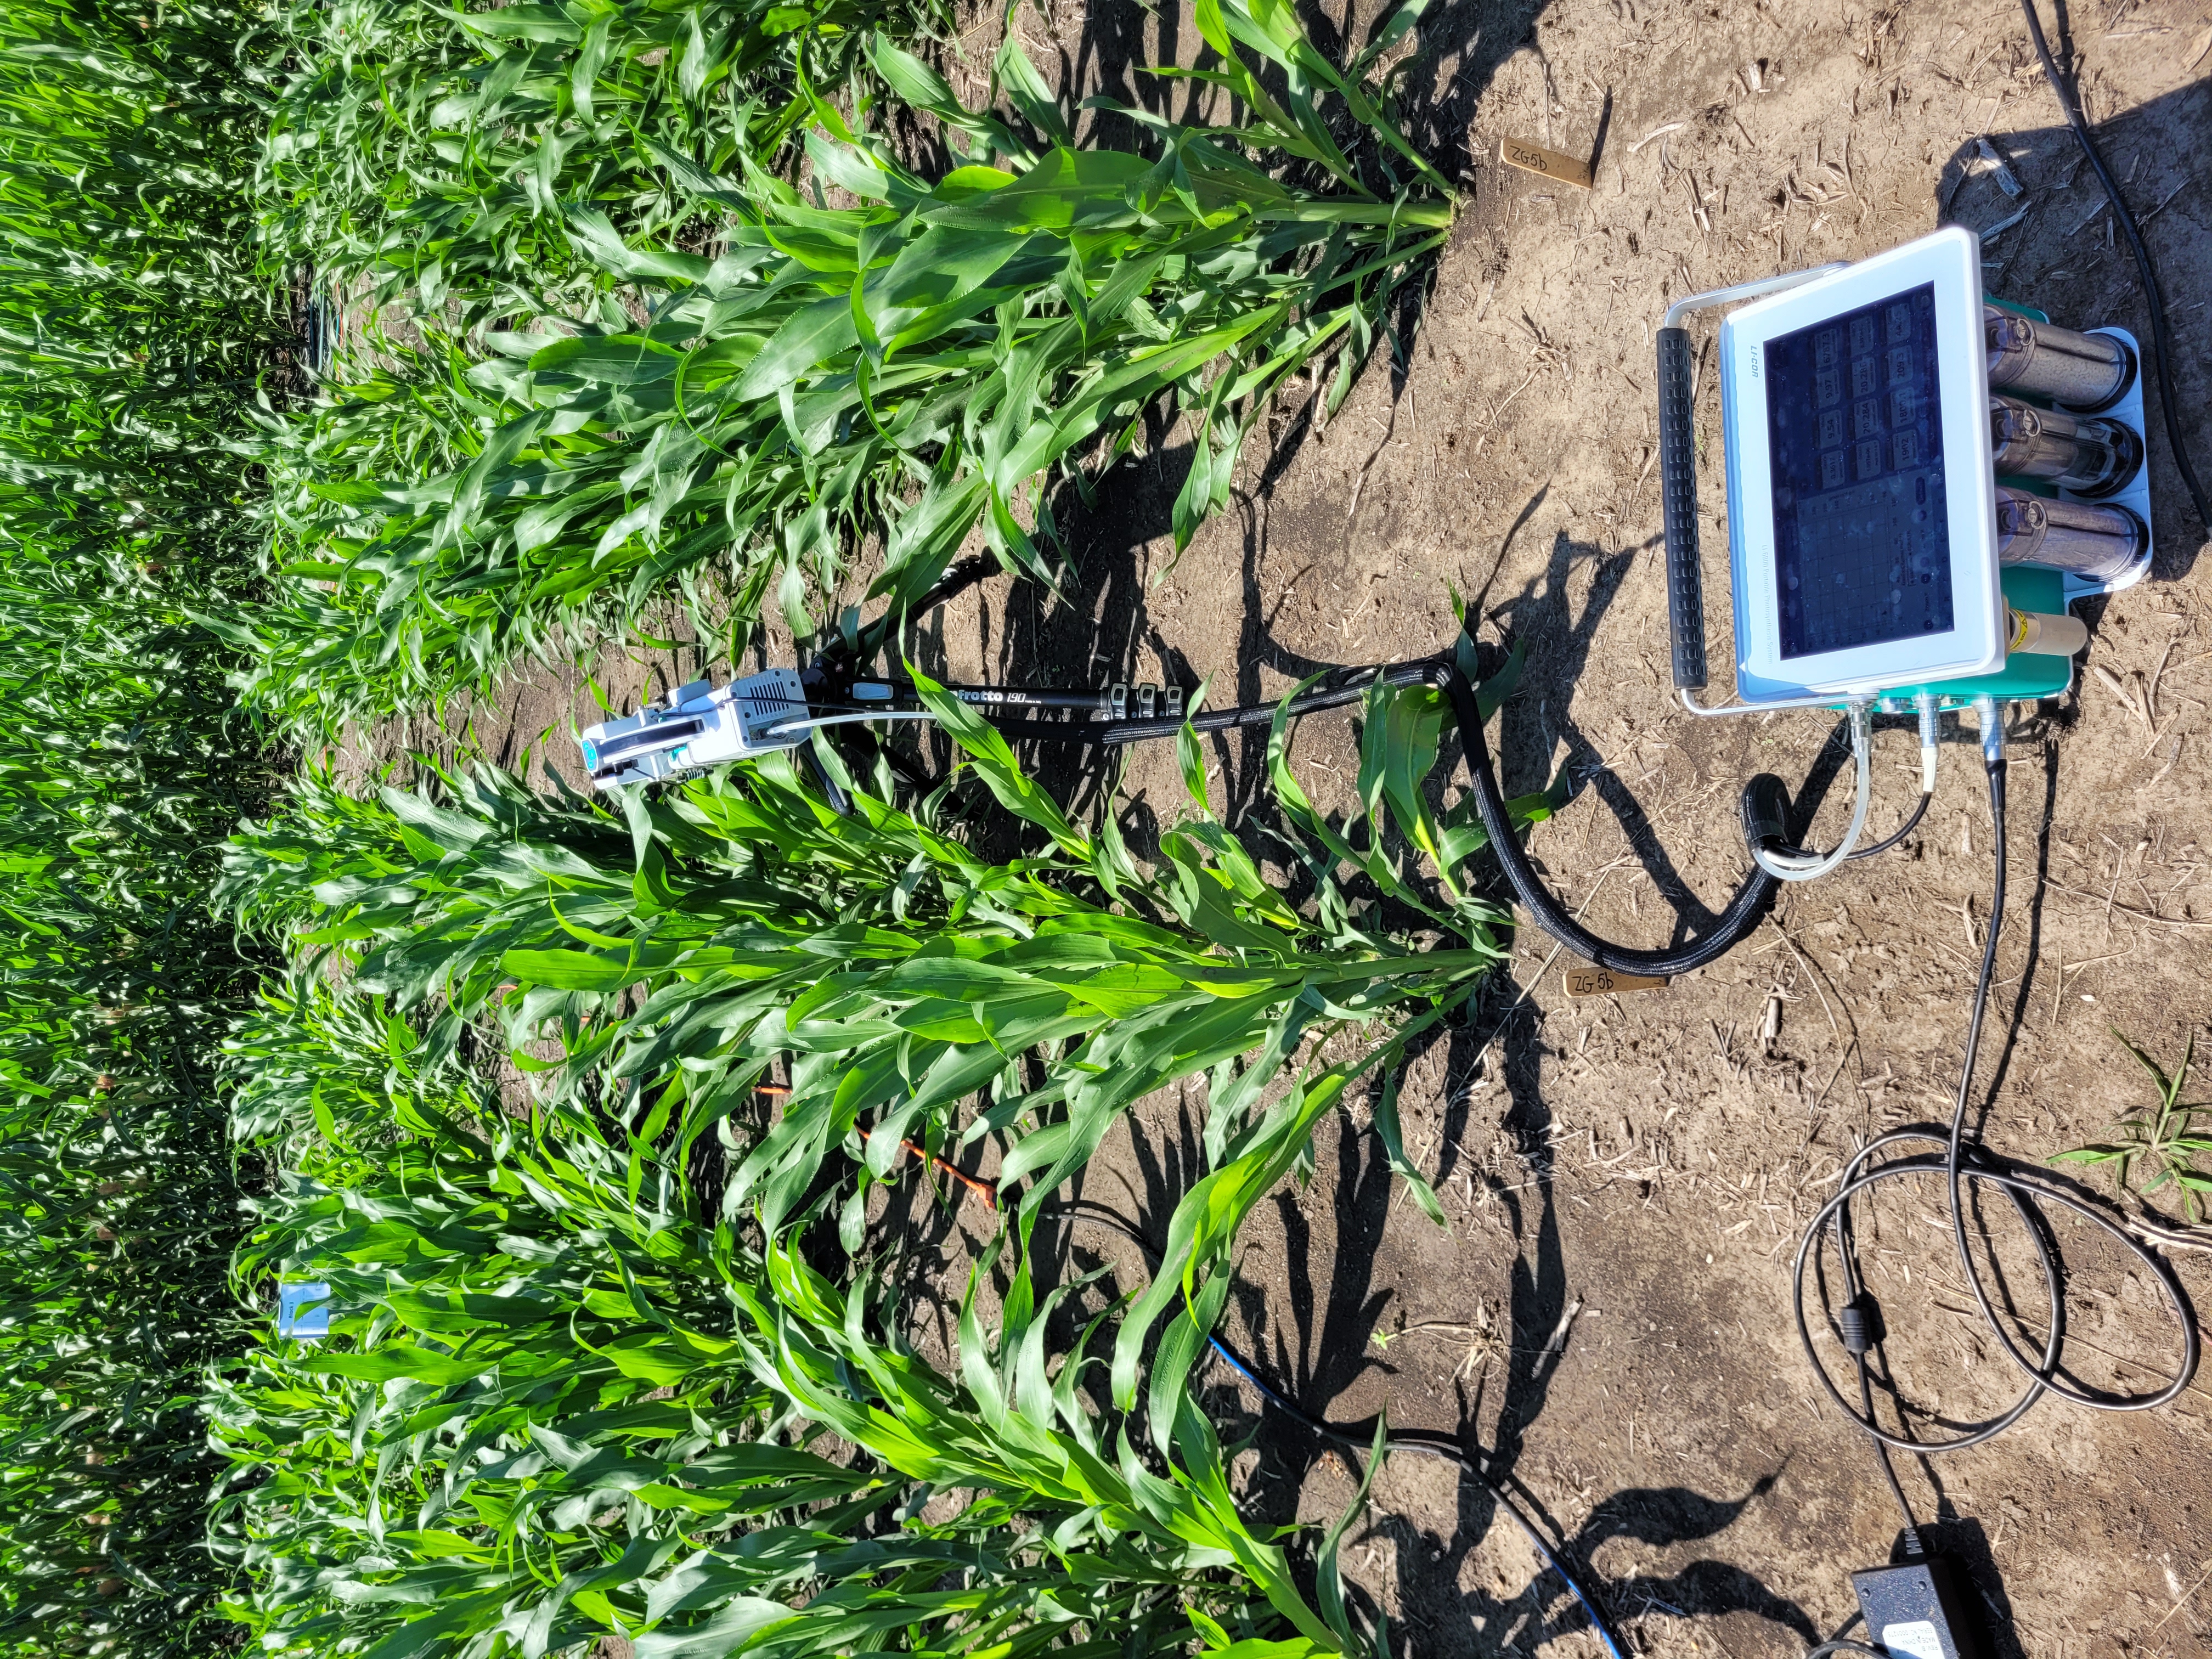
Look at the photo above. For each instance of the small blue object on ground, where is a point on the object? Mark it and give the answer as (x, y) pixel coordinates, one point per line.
(303, 1310)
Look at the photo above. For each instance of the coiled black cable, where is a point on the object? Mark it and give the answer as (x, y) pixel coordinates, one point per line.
(1359, 1437)
(1857, 1323)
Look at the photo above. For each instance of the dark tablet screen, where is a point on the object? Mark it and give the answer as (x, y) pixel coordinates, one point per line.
(1861, 540)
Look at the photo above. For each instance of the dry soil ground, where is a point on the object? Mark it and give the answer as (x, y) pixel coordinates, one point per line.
(1626, 1178)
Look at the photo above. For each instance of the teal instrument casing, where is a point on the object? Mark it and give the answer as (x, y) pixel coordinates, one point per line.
(1753, 581)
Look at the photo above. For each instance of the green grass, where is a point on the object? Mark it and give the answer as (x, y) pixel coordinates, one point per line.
(625, 1357)
(428, 158)
(128, 343)
(930, 362)
(2157, 1145)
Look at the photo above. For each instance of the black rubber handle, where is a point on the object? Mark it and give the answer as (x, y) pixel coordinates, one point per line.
(1678, 490)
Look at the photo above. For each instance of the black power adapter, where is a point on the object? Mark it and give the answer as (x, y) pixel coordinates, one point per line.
(1921, 1609)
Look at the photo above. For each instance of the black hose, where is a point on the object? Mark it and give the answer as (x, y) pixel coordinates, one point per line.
(1359, 1437)
(2161, 336)
(1734, 925)
(1112, 733)
(1911, 822)
(956, 580)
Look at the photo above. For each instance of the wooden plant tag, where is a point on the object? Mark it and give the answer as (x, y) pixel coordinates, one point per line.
(1535, 158)
(1601, 982)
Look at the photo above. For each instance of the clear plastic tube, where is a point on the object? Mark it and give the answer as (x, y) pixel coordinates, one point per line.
(2095, 540)
(2077, 453)
(1811, 866)
(2084, 373)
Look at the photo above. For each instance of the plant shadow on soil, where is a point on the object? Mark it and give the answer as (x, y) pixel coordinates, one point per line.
(1105, 628)
(1339, 1273)
(1319, 1343)
(1100, 638)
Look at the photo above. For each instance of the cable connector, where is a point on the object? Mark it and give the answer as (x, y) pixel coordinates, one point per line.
(1930, 735)
(1766, 806)
(1858, 1322)
(1989, 713)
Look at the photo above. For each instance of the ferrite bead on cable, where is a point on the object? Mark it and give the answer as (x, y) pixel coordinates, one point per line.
(1859, 1325)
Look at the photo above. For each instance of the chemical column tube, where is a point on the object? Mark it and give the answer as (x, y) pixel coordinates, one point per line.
(2042, 633)
(2084, 373)
(2098, 541)
(2080, 453)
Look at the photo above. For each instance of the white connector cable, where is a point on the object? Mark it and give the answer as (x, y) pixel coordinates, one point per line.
(1810, 866)
(788, 731)
(1925, 704)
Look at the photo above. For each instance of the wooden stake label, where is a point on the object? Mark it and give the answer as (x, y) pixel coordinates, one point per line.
(1535, 158)
(1602, 982)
